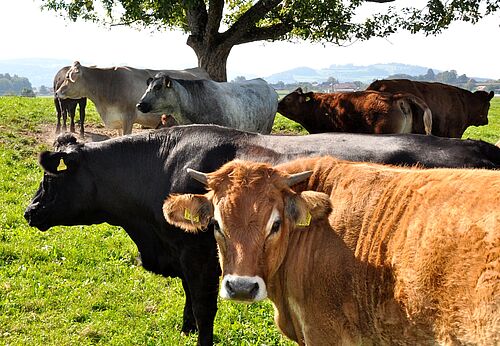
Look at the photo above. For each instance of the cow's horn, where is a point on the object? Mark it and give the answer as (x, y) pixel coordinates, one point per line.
(298, 177)
(201, 177)
(70, 78)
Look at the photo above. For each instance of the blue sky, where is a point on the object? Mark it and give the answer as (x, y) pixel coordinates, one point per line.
(31, 33)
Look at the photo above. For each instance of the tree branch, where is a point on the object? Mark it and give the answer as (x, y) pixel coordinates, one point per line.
(197, 16)
(215, 10)
(272, 32)
(248, 20)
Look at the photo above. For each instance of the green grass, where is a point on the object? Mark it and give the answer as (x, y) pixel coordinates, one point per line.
(81, 285)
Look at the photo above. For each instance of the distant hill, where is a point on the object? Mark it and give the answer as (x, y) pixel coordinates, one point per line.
(38, 71)
(42, 71)
(346, 73)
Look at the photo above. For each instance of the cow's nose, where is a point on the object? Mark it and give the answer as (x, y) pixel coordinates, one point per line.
(143, 107)
(242, 290)
(27, 214)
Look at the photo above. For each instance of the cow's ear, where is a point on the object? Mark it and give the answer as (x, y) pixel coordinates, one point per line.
(491, 95)
(190, 212)
(58, 162)
(76, 67)
(149, 81)
(168, 82)
(305, 97)
(307, 206)
(298, 90)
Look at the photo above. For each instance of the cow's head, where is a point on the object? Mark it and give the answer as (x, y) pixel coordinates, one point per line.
(66, 194)
(480, 107)
(293, 105)
(73, 85)
(254, 210)
(159, 95)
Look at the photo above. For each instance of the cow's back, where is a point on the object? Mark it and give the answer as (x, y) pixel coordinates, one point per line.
(248, 105)
(416, 233)
(447, 103)
(427, 248)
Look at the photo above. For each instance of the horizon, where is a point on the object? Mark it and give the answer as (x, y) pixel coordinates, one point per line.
(462, 47)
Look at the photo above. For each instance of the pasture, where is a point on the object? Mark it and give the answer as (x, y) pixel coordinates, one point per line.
(82, 284)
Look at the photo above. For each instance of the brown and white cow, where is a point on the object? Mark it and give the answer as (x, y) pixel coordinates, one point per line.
(357, 253)
(453, 109)
(356, 112)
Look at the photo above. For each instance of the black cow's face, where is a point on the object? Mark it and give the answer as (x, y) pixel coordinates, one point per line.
(479, 115)
(65, 196)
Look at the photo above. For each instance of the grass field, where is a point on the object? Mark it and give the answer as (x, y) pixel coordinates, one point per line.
(81, 285)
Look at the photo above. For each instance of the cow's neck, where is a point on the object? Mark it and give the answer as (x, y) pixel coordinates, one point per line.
(99, 86)
(126, 181)
(315, 276)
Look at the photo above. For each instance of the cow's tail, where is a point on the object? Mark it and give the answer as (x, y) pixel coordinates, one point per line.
(427, 118)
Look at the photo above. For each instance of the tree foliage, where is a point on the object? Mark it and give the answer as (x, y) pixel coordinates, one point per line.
(13, 85)
(215, 26)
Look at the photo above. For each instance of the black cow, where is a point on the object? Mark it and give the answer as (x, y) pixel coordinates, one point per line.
(68, 106)
(123, 181)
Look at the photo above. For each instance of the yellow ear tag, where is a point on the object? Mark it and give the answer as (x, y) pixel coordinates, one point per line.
(62, 166)
(189, 217)
(306, 222)
(308, 99)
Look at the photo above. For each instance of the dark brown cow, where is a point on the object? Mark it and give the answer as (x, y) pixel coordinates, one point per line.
(453, 109)
(360, 254)
(65, 107)
(356, 112)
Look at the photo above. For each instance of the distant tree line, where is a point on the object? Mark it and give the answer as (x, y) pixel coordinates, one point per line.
(451, 77)
(15, 85)
(327, 86)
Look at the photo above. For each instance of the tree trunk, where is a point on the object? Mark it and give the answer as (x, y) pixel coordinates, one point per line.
(212, 58)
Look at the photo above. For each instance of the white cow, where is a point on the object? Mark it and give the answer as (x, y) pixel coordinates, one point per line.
(249, 105)
(115, 92)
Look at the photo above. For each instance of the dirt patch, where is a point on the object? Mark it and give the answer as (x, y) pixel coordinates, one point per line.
(93, 133)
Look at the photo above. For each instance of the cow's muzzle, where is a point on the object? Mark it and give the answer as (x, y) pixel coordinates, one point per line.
(243, 288)
(35, 218)
(143, 107)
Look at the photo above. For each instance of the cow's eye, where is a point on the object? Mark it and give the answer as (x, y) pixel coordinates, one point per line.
(157, 87)
(276, 226)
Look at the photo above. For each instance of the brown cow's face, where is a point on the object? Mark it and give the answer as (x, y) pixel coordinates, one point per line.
(254, 211)
(480, 108)
(73, 83)
(293, 105)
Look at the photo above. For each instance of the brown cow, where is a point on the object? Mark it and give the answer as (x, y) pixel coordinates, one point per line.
(453, 109)
(406, 257)
(357, 112)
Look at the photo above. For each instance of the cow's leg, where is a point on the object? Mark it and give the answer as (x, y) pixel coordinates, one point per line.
(72, 111)
(127, 127)
(188, 321)
(64, 110)
(57, 104)
(81, 105)
(202, 278)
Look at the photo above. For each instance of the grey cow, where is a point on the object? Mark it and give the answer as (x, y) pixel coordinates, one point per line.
(249, 105)
(115, 92)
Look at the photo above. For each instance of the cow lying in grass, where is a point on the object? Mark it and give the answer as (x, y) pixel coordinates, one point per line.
(357, 253)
